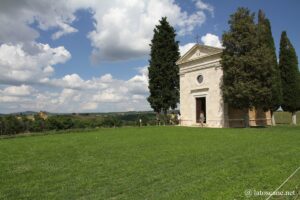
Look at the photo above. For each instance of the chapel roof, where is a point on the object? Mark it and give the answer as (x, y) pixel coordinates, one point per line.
(199, 51)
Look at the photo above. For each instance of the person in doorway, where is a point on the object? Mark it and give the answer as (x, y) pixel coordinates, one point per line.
(202, 118)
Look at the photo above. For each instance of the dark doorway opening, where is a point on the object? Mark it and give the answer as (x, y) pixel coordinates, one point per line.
(200, 107)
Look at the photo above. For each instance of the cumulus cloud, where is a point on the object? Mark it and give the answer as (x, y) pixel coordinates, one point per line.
(29, 63)
(75, 94)
(108, 96)
(23, 90)
(19, 15)
(111, 41)
(65, 29)
(122, 29)
(205, 6)
(89, 106)
(12, 96)
(208, 39)
(184, 48)
(211, 40)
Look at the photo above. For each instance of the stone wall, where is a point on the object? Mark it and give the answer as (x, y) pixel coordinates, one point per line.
(252, 117)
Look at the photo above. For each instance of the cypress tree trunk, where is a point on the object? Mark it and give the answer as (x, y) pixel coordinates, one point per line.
(294, 118)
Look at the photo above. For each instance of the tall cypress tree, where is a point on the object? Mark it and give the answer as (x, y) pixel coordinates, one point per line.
(246, 73)
(163, 72)
(288, 65)
(266, 41)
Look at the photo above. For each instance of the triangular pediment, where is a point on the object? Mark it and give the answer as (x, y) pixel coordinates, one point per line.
(198, 51)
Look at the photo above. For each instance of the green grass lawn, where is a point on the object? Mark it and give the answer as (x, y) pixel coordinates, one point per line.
(150, 163)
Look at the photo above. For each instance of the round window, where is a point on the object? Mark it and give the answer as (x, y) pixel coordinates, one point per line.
(200, 79)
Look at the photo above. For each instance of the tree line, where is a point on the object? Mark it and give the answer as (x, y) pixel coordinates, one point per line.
(15, 124)
(11, 124)
(252, 76)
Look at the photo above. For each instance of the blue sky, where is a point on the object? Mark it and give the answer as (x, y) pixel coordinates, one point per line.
(92, 56)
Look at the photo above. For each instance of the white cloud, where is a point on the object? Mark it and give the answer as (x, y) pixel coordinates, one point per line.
(211, 40)
(65, 29)
(89, 106)
(103, 93)
(123, 29)
(68, 95)
(184, 48)
(138, 97)
(106, 78)
(10, 99)
(14, 95)
(29, 63)
(205, 6)
(108, 96)
(72, 81)
(208, 39)
(23, 90)
(19, 15)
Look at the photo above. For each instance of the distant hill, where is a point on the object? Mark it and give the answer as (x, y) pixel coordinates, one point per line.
(23, 113)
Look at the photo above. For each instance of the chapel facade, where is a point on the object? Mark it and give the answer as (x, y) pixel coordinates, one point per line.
(200, 92)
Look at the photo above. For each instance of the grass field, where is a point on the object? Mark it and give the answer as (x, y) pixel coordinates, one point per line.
(150, 163)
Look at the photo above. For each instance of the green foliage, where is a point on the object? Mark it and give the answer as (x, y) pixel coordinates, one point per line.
(60, 123)
(38, 124)
(11, 124)
(150, 163)
(26, 123)
(163, 72)
(288, 65)
(111, 121)
(266, 42)
(246, 64)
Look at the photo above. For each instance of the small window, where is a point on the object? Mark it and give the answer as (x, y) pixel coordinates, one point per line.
(200, 79)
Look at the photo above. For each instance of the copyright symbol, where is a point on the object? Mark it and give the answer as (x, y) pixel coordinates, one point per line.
(248, 193)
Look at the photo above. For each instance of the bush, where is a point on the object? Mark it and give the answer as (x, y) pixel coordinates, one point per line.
(111, 121)
(12, 124)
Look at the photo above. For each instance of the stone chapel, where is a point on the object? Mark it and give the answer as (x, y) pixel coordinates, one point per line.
(200, 80)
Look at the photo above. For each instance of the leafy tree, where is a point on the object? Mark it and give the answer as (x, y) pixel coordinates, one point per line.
(2, 126)
(25, 123)
(163, 72)
(246, 79)
(67, 122)
(60, 123)
(288, 65)
(266, 43)
(11, 125)
(111, 121)
(53, 123)
(38, 124)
